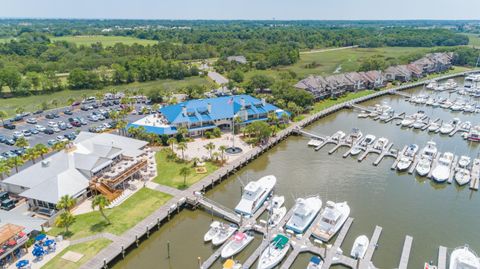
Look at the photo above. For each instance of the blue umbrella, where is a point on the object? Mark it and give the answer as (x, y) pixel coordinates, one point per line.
(48, 242)
(22, 263)
(40, 237)
(37, 252)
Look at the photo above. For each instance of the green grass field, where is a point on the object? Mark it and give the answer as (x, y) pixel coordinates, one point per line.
(32, 103)
(346, 60)
(170, 169)
(87, 249)
(122, 217)
(105, 40)
(474, 40)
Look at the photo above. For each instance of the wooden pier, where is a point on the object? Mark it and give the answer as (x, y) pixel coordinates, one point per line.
(400, 116)
(399, 155)
(453, 169)
(434, 164)
(475, 175)
(429, 124)
(407, 245)
(387, 152)
(442, 258)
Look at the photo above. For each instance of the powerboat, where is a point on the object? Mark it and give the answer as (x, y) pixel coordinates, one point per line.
(386, 115)
(232, 264)
(407, 158)
(469, 108)
(462, 176)
(276, 202)
(474, 134)
(450, 84)
(238, 242)
(464, 161)
(255, 194)
(381, 143)
(434, 126)
(212, 232)
(274, 253)
(354, 136)
(432, 85)
(407, 121)
(225, 232)
(464, 258)
(360, 247)
(424, 166)
(338, 136)
(458, 105)
(441, 173)
(368, 140)
(430, 150)
(276, 216)
(315, 263)
(466, 126)
(449, 126)
(419, 123)
(446, 104)
(304, 212)
(363, 114)
(430, 101)
(332, 219)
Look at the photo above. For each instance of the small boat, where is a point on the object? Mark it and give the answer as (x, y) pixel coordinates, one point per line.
(466, 126)
(354, 136)
(464, 258)
(434, 126)
(333, 218)
(212, 232)
(449, 126)
(430, 102)
(238, 242)
(304, 211)
(429, 266)
(441, 173)
(276, 216)
(363, 114)
(430, 150)
(381, 143)
(225, 232)
(368, 140)
(255, 194)
(274, 253)
(338, 136)
(474, 134)
(464, 161)
(432, 85)
(407, 158)
(232, 264)
(419, 124)
(360, 247)
(458, 105)
(276, 202)
(450, 84)
(315, 263)
(424, 166)
(407, 121)
(469, 108)
(462, 176)
(386, 115)
(446, 104)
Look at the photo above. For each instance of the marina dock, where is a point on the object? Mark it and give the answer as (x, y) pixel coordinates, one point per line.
(475, 175)
(442, 258)
(400, 116)
(407, 246)
(434, 164)
(399, 155)
(453, 169)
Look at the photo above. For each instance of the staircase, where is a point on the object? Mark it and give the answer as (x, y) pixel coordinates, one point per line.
(105, 190)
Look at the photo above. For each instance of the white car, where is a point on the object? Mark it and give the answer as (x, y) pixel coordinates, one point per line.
(52, 124)
(17, 134)
(40, 128)
(31, 120)
(61, 138)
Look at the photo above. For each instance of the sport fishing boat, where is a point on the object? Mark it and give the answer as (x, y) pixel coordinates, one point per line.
(464, 161)
(276, 216)
(238, 242)
(225, 232)
(274, 253)
(315, 263)
(430, 150)
(407, 158)
(360, 247)
(462, 176)
(255, 194)
(434, 126)
(212, 232)
(464, 258)
(354, 136)
(333, 217)
(426, 157)
(305, 210)
(441, 173)
(381, 143)
(232, 264)
(368, 140)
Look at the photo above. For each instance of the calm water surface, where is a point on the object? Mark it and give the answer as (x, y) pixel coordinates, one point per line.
(401, 203)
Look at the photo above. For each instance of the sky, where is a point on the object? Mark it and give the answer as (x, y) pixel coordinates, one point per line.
(243, 9)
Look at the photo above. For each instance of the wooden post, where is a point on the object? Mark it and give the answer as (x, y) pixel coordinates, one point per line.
(168, 249)
(105, 266)
(123, 252)
(136, 240)
(147, 231)
(199, 261)
(158, 223)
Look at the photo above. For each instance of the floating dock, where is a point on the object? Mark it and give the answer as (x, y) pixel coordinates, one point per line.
(407, 246)
(399, 155)
(453, 169)
(475, 175)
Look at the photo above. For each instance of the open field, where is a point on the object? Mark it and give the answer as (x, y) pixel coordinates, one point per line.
(170, 171)
(474, 40)
(87, 249)
(31, 103)
(345, 60)
(122, 217)
(105, 40)
(5, 39)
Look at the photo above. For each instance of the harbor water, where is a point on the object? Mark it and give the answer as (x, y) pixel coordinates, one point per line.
(403, 204)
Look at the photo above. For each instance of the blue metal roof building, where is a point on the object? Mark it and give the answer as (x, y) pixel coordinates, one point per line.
(204, 114)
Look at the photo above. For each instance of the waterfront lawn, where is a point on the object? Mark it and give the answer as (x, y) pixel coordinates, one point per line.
(169, 171)
(87, 249)
(122, 217)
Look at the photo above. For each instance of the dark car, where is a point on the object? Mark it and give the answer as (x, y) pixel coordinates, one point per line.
(55, 115)
(19, 151)
(76, 123)
(18, 118)
(2, 139)
(95, 105)
(68, 112)
(9, 126)
(50, 116)
(116, 102)
(38, 112)
(7, 204)
(49, 131)
(9, 141)
(70, 136)
(84, 108)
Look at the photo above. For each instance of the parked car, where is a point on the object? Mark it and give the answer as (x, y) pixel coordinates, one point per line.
(76, 123)
(84, 108)
(76, 103)
(40, 128)
(10, 142)
(26, 133)
(17, 118)
(3, 139)
(17, 135)
(48, 131)
(56, 129)
(69, 126)
(62, 126)
(55, 115)
(67, 112)
(9, 126)
(51, 142)
(32, 120)
(38, 112)
(71, 136)
(19, 151)
(92, 118)
(50, 116)
(9, 154)
(33, 131)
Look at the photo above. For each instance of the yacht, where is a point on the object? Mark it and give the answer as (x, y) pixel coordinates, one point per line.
(333, 217)
(212, 232)
(367, 141)
(407, 158)
(315, 263)
(338, 136)
(381, 143)
(464, 258)
(360, 247)
(464, 161)
(450, 85)
(304, 212)
(224, 233)
(462, 176)
(274, 253)
(354, 136)
(386, 115)
(471, 81)
(238, 242)
(442, 171)
(434, 126)
(430, 101)
(255, 194)
(432, 85)
(430, 150)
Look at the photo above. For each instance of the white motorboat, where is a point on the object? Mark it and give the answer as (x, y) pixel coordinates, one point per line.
(407, 121)
(212, 232)
(474, 134)
(232, 264)
(407, 158)
(432, 85)
(354, 136)
(449, 126)
(469, 108)
(458, 105)
(446, 104)
(442, 171)
(304, 211)
(464, 161)
(255, 194)
(224, 233)
(386, 115)
(238, 242)
(363, 114)
(367, 141)
(333, 217)
(462, 176)
(276, 216)
(338, 136)
(424, 166)
(274, 253)
(276, 202)
(419, 124)
(466, 126)
(360, 247)
(381, 108)
(430, 150)
(464, 258)
(450, 84)
(434, 126)
(430, 101)
(315, 263)
(381, 143)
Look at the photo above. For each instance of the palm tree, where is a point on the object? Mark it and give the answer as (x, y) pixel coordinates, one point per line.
(236, 122)
(41, 149)
(22, 142)
(222, 150)
(101, 202)
(31, 155)
(182, 146)
(185, 172)
(195, 161)
(3, 115)
(16, 162)
(64, 220)
(59, 146)
(215, 155)
(5, 169)
(183, 131)
(171, 141)
(274, 129)
(210, 147)
(66, 202)
(121, 125)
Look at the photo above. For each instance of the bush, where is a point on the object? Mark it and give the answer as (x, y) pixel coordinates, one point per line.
(216, 132)
(208, 134)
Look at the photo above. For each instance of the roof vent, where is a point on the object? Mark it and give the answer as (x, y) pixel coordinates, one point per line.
(45, 163)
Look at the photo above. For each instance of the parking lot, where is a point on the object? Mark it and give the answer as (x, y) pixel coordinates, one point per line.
(41, 120)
